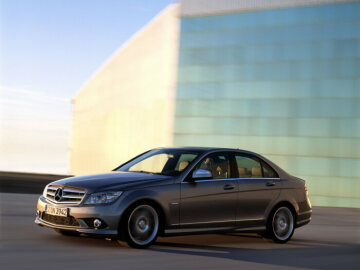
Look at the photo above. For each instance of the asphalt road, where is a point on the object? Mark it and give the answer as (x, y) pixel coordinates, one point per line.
(330, 241)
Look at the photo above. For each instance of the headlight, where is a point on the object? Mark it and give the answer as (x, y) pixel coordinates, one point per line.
(45, 191)
(103, 197)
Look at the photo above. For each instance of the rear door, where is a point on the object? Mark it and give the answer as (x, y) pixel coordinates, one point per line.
(259, 185)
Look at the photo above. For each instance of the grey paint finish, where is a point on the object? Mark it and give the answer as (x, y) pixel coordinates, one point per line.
(188, 206)
(256, 196)
(206, 202)
(114, 181)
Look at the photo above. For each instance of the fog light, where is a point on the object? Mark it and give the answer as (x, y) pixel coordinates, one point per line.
(97, 223)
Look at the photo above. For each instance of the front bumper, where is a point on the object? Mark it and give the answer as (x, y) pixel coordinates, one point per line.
(80, 218)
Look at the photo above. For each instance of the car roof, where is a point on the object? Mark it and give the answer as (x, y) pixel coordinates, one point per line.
(203, 150)
(208, 149)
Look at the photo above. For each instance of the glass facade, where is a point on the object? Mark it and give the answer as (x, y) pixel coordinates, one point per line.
(284, 83)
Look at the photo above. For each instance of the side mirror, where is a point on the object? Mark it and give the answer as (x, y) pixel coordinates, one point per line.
(201, 173)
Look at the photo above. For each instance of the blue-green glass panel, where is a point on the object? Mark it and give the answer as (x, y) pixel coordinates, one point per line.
(284, 83)
(348, 148)
(299, 33)
(325, 88)
(320, 50)
(299, 70)
(335, 186)
(344, 107)
(270, 18)
(266, 126)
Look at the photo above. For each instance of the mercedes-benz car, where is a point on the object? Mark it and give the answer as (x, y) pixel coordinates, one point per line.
(173, 191)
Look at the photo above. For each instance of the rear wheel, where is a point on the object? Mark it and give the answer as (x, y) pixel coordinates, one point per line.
(141, 226)
(281, 224)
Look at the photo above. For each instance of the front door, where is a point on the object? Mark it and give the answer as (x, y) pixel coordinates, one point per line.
(207, 203)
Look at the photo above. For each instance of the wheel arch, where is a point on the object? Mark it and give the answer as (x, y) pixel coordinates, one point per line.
(269, 222)
(283, 203)
(150, 201)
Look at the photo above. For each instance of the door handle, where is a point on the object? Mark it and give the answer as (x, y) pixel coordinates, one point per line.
(270, 183)
(229, 186)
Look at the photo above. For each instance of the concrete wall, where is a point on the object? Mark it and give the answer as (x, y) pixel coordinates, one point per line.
(127, 107)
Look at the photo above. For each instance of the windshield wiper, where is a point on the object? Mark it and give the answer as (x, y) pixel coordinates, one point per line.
(143, 172)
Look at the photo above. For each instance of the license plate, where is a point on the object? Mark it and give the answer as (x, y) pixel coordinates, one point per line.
(56, 211)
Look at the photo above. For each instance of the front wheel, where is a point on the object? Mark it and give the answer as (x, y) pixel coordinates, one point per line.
(281, 224)
(142, 226)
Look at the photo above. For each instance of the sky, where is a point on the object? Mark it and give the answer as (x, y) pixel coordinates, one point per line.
(48, 50)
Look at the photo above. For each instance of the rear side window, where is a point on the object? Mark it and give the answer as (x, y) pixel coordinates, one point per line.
(248, 167)
(268, 171)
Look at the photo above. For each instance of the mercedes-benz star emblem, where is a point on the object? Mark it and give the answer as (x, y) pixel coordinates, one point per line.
(58, 194)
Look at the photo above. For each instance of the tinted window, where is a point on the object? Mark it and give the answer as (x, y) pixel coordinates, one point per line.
(184, 161)
(248, 167)
(217, 164)
(268, 171)
(160, 161)
(153, 164)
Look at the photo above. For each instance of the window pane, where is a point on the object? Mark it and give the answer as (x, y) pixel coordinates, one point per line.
(154, 164)
(161, 161)
(248, 167)
(268, 171)
(218, 165)
(184, 161)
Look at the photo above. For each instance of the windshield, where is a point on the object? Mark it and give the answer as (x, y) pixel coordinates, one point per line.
(161, 161)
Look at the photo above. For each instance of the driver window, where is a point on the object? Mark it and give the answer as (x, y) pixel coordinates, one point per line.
(217, 164)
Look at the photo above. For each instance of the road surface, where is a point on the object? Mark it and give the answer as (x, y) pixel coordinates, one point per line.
(330, 241)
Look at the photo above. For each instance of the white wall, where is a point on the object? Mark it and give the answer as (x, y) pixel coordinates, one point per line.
(127, 107)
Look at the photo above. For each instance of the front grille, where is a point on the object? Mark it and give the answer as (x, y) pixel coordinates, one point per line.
(67, 221)
(69, 195)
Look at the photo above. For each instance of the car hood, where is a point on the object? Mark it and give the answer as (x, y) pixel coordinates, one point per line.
(115, 181)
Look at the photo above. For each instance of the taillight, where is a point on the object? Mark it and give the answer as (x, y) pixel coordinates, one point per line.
(307, 195)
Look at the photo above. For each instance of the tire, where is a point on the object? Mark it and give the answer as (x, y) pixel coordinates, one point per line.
(281, 224)
(140, 226)
(66, 232)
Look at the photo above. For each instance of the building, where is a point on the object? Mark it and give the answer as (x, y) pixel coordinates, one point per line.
(128, 106)
(277, 77)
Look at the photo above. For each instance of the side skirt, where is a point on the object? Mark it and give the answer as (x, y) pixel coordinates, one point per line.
(193, 231)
